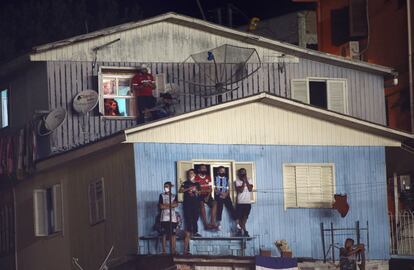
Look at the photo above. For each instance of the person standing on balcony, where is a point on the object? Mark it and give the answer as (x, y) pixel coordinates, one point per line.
(142, 85)
(244, 188)
(167, 203)
(222, 194)
(191, 207)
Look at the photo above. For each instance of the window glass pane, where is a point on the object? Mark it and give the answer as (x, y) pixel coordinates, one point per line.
(4, 109)
(124, 87)
(109, 86)
(317, 94)
(120, 106)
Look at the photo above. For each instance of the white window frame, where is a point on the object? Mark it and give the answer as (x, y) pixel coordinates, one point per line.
(184, 165)
(5, 103)
(117, 72)
(42, 215)
(289, 188)
(94, 204)
(324, 79)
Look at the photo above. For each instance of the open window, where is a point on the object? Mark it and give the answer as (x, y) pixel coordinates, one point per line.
(48, 210)
(328, 94)
(116, 98)
(230, 168)
(4, 111)
(308, 185)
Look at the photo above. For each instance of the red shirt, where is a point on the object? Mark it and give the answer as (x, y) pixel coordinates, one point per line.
(142, 84)
(204, 184)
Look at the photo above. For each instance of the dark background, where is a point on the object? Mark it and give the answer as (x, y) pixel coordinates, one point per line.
(28, 23)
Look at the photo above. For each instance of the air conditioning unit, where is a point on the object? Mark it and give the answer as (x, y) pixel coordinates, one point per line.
(351, 50)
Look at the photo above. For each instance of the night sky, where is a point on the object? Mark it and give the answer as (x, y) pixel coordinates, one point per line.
(28, 23)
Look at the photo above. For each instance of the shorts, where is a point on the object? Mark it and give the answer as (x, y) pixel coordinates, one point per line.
(243, 210)
(207, 199)
(165, 227)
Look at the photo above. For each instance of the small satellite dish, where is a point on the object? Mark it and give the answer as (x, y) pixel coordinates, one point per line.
(51, 121)
(85, 101)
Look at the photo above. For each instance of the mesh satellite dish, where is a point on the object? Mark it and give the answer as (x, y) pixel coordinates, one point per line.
(217, 71)
(51, 121)
(85, 101)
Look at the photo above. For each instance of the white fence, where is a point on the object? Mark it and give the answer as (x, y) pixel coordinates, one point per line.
(402, 233)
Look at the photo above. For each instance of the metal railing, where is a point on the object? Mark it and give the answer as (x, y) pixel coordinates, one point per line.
(402, 233)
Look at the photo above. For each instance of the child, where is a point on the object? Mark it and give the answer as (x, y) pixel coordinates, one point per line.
(167, 202)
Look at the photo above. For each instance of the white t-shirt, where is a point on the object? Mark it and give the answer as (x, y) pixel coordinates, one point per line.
(245, 196)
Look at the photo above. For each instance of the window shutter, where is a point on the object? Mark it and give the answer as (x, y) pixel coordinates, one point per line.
(327, 183)
(289, 186)
(57, 208)
(302, 192)
(160, 82)
(336, 96)
(299, 89)
(40, 212)
(314, 185)
(182, 168)
(92, 203)
(100, 200)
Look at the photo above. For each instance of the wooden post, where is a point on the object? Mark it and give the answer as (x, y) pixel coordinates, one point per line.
(396, 199)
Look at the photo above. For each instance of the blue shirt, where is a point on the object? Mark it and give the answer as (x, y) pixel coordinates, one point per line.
(221, 183)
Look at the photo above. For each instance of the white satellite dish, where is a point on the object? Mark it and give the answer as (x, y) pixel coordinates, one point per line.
(85, 101)
(51, 121)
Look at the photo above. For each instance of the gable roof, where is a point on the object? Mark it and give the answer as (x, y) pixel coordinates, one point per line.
(228, 32)
(369, 133)
(284, 104)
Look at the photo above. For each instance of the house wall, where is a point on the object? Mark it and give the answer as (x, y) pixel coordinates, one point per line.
(388, 45)
(67, 78)
(28, 93)
(359, 172)
(79, 239)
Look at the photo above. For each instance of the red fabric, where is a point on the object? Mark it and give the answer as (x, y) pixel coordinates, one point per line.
(142, 84)
(341, 204)
(204, 184)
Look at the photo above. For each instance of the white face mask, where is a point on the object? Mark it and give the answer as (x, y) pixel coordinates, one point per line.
(167, 189)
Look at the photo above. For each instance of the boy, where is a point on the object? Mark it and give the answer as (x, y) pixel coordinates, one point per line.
(167, 202)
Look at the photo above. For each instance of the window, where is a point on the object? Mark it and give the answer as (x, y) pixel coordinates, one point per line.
(329, 94)
(231, 168)
(6, 229)
(116, 97)
(96, 201)
(48, 210)
(4, 108)
(308, 185)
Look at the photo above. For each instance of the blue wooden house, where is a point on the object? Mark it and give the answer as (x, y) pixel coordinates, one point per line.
(306, 126)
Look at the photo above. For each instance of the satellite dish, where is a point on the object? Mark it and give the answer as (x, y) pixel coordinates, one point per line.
(51, 121)
(216, 71)
(85, 101)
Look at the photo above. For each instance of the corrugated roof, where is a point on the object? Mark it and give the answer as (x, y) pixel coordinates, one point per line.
(229, 32)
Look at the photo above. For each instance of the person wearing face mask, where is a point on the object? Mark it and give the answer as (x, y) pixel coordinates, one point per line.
(221, 194)
(244, 188)
(167, 202)
(191, 207)
(204, 180)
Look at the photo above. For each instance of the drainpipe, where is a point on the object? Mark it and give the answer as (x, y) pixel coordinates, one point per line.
(410, 64)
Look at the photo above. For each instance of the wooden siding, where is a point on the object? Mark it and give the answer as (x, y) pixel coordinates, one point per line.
(260, 124)
(359, 172)
(79, 239)
(67, 78)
